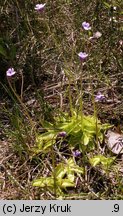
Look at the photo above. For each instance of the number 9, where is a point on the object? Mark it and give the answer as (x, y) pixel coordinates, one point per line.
(116, 208)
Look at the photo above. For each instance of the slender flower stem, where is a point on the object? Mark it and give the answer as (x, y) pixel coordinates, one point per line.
(22, 82)
(54, 172)
(22, 104)
(81, 96)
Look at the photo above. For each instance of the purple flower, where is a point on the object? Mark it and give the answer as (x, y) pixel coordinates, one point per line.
(76, 153)
(83, 55)
(86, 26)
(10, 72)
(96, 35)
(99, 97)
(39, 7)
(62, 134)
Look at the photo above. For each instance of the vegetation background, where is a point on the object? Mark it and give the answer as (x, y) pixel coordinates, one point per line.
(51, 84)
